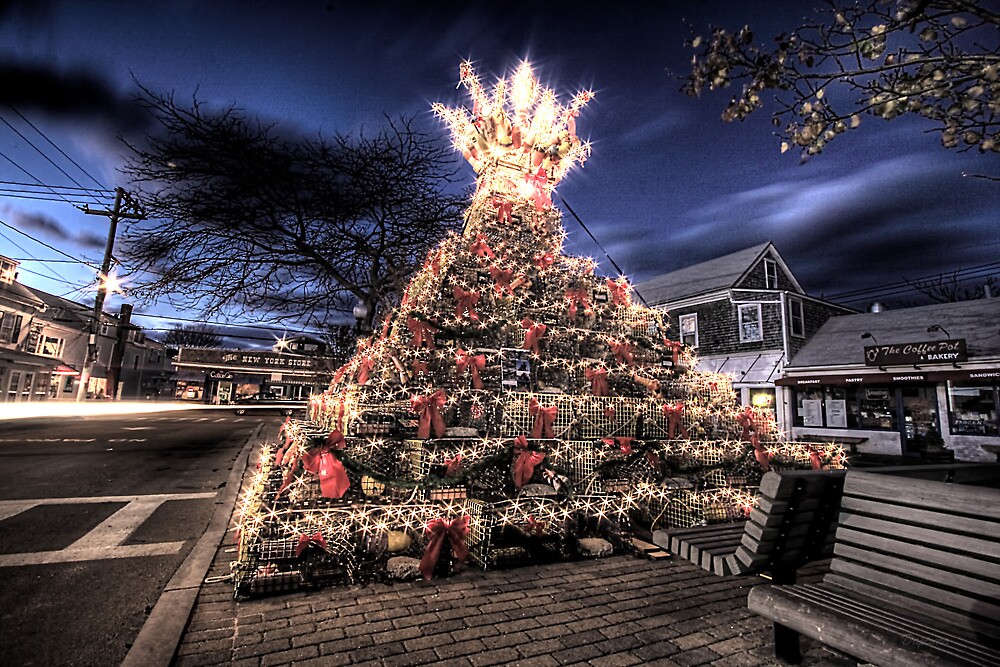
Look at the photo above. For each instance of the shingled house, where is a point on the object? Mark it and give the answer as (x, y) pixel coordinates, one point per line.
(745, 314)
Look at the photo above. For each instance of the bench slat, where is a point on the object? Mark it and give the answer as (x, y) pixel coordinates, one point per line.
(926, 517)
(954, 473)
(913, 590)
(962, 500)
(960, 543)
(986, 570)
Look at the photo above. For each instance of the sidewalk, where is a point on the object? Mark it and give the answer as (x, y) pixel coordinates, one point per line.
(615, 611)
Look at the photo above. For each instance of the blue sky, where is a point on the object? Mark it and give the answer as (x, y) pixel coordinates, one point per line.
(668, 184)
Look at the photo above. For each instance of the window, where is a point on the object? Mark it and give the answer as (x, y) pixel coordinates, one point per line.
(872, 408)
(796, 317)
(972, 409)
(105, 328)
(10, 328)
(751, 328)
(12, 386)
(50, 346)
(689, 329)
(770, 274)
(135, 362)
(29, 381)
(8, 271)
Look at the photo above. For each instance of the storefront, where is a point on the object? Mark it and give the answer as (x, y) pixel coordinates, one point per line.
(879, 382)
(218, 376)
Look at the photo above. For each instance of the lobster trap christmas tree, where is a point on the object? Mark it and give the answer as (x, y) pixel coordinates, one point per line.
(514, 407)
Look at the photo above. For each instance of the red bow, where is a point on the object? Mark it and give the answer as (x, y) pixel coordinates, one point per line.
(524, 464)
(481, 248)
(619, 292)
(622, 352)
(466, 301)
(420, 367)
(532, 335)
(539, 183)
(577, 297)
(365, 370)
(439, 530)
(314, 540)
(333, 480)
(501, 280)
(545, 418)
(534, 527)
(423, 332)
(674, 413)
(814, 458)
(624, 443)
(464, 360)
(598, 379)
(609, 412)
(544, 260)
(504, 210)
(675, 347)
(452, 465)
(428, 407)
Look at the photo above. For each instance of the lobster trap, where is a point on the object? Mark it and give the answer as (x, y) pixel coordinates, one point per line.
(517, 532)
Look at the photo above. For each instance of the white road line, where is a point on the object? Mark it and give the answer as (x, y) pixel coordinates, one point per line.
(138, 428)
(95, 553)
(104, 541)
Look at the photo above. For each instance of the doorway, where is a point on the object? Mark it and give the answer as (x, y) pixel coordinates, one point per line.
(919, 423)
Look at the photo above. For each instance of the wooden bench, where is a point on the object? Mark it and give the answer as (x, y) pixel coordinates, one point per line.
(915, 578)
(793, 524)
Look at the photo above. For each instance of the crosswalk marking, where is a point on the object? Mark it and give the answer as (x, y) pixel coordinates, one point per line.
(105, 540)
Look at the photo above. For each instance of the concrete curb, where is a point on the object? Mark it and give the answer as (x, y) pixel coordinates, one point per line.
(161, 633)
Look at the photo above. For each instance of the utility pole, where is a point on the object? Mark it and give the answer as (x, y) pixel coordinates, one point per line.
(124, 208)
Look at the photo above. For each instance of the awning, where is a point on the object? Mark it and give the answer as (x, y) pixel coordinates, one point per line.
(987, 375)
(64, 369)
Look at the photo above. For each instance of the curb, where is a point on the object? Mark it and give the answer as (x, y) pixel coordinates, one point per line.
(161, 633)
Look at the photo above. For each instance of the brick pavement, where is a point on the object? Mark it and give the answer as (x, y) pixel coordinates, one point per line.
(611, 612)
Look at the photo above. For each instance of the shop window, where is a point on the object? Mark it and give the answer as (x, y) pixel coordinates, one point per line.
(877, 408)
(872, 408)
(796, 318)
(770, 274)
(751, 327)
(50, 346)
(29, 382)
(12, 386)
(972, 410)
(689, 329)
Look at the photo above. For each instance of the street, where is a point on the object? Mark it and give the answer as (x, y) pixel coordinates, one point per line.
(96, 514)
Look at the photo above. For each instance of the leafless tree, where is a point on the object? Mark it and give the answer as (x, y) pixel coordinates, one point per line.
(939, 59)
(192, 335)
(244, 220)
(949, 287)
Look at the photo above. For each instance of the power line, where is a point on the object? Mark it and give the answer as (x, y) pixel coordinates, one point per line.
(223, 324)
(22, 249)
(103, 191)
(33, 177)
(43, 243)
(42, 153)
(904, 285)
(63, 153)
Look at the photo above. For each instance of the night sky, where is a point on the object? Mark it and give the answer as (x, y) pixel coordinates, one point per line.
(668, 184)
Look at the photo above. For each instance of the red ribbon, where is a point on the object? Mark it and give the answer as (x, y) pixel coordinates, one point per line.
(598, 379)
(623, 442)
(475, 363)
(577, 298)
(314, 540)
(504, 210)
(544, 260)
(534, 527)
(365, 370)
(465, 301)
(609, 412)
(524, 464)
(452, 465)
(751, 433)
(619, 292)
(422, 332)
(539, 182)
(674, 413)
(428, 407)
(532, 335)
(420, 367)
(501, 280)
(814, 458)
(333, 480)
(622, 352)
(437, 531)
(481, 248)
(674, 346)
(545, 418)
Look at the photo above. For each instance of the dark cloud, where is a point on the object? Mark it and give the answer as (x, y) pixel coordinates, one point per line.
(42, 223)
(77, 94)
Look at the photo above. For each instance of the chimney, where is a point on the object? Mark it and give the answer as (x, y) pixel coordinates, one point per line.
(876, 307)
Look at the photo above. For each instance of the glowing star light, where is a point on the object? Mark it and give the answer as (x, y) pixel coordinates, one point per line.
(519, 140)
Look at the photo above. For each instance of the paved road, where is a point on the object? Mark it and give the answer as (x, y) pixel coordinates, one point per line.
(96, 514)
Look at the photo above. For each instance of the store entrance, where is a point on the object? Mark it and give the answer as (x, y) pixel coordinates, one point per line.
(920, 426)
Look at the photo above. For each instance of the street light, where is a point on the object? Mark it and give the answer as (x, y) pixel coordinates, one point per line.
(360, 314)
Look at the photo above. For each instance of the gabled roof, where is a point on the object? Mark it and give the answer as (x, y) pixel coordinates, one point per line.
(20, 294)
(716, 274)
(63, 310)
(839, 342)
